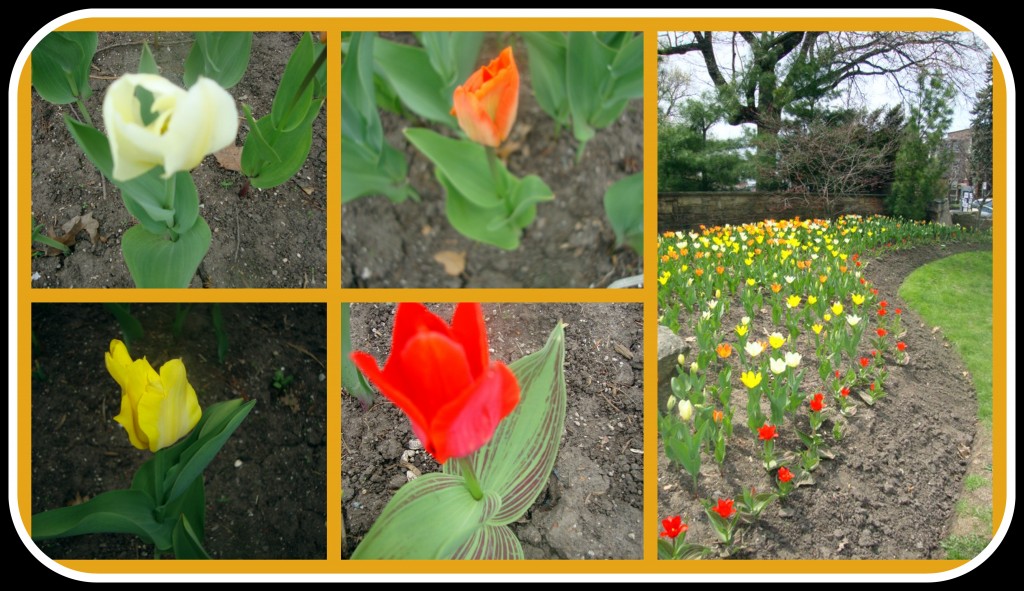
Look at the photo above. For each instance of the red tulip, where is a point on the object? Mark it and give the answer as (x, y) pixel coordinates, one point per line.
(785, 475)
(673, 526)
(901, 346)
(486, 103)
(724, 508)
(818, 402)
(767, 432)
(441, 376)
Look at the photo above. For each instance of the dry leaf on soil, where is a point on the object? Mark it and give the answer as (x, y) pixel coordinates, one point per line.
(454, 262)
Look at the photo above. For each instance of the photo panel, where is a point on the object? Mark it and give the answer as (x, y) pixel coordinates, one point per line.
(552, 431)
(173, 159)
(179, 430)
(816, 227)
(492, 159)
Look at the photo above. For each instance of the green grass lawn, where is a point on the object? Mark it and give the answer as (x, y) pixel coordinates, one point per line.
(955, 293)
(963, 308)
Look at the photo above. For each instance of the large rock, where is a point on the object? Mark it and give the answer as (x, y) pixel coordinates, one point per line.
(670, 345)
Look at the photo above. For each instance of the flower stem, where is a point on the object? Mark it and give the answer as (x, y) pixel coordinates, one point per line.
(84, 112)
(492, 162)
(471, 483)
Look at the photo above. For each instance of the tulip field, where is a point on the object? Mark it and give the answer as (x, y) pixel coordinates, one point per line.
(811, 413)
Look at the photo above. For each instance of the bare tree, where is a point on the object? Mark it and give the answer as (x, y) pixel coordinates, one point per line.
(770, 73)
(673, 87)
(829, 161)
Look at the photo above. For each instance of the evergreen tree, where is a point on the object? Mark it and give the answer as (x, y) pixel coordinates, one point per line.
(923, 157)
(981, 139)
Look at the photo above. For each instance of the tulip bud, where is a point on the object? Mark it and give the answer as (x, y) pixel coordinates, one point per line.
(685, 410)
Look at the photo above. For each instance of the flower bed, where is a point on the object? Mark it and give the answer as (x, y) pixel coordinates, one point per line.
(798, 399)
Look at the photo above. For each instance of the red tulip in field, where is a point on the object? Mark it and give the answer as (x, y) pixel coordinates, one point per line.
(442, 377)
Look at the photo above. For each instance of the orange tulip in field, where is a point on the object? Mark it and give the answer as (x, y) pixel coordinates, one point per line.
(486, 103)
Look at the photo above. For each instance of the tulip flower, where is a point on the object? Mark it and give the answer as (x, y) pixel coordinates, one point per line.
(486, 103)
(817, 328)
(673, 526)
(857, 298)
(685, 410)
(837, 308)
(777, 365)
(156, 409)
(724, 350)
(776, 340)
(442, 378)
(793, 359)
(793, 301)
(767, 432)
(785, 475)
(724, 508)
(754, 348)
(818, 402)
(182, 127)
(852, 319)
(750, 379)
(741, 329)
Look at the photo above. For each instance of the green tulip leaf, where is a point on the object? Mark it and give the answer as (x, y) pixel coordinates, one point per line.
(158, 203)
(360, 122)
(516, 462)
(147, 63)
(369, 166)
(483, 224)
(117, 511)
(186, 542)
(213, 430)
(627, 71)
(490, 542)
(384, 176)
(431, 517)
(60, 66)
(220, 56)
(288, 152)
(295, 94)
(351, 378)
(495, 225)
(463, 162)
(408, 70)
(624, 206)
(131, 328)
(156, 261)
(452, 55)
(547, 53)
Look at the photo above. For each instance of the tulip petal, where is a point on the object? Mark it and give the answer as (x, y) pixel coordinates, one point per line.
(467, 423)
(204, 121)
(473, 119)
(435, 370)
(132, 376)
(469, 330)
(410, 320)
(393, 391)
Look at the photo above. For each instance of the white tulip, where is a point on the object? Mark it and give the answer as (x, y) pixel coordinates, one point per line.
(186, 126)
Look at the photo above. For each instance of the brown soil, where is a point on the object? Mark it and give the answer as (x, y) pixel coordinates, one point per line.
(267, 238)
(265, 491)
(898, 470)
(570, 244)
(593, 504)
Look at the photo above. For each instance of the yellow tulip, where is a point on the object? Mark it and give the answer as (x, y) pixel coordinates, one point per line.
(750, 379)
(156, 409)
(776, 340)
(793, 301)
(857, 298)
(837, 308)
(186, 125)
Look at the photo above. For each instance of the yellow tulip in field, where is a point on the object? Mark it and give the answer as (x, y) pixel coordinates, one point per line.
(177, 130)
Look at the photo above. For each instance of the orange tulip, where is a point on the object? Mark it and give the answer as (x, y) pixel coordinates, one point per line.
(486, 104)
